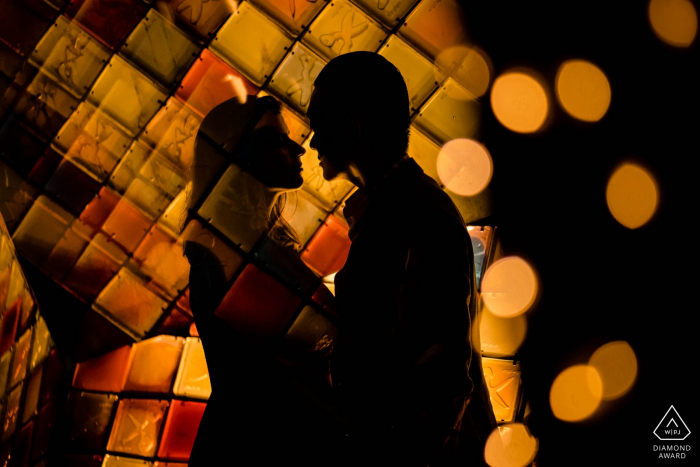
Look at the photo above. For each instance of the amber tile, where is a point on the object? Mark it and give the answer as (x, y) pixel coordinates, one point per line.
(147, 197)
(180, 429)
(106, 373)
(31, 397)
(98, 210)
(198, 17)
(230, 260)
(293, 15)
(15, 286)
(110, 22)
(98, 263)
(41, 344)
(67, 250)
(153, 364)
(127, 225)
(503, 382)
(28, 311)
(174, 216)
(21, 358)
(327, 251)
(193, 375)
(164, 174)
(90, 416)
(110, 460)
(11, 412)
(424, 151)
(136, 426)
(5, 363)
(299, 129)
(293, 81)
(304, 215)
(451, 113)
(45, 105)
(161, 257)
(387, 12)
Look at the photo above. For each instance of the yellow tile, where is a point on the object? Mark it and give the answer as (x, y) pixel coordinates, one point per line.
(293, 15)
(503, 382)
(424, 151)
(388, 12)
(294, 79)
(136, 427)
(452, 112)
(193, 375)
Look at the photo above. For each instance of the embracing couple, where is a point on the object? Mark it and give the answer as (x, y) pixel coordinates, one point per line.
(401, 384)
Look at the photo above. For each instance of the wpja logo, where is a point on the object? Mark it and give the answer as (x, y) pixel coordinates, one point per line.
(672, 428)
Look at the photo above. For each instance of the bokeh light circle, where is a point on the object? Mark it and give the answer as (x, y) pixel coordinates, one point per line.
(583, 90)
(464, 166)
(510, 445)
(674, 21)
(500, 336)
(509, 287)
(576, 393)
(519, 102)
(616, 364)
(632, 195)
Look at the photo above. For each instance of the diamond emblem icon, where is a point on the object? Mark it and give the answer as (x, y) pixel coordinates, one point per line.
(671, 427)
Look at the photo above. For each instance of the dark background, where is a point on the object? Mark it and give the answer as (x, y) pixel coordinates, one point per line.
(600, 281)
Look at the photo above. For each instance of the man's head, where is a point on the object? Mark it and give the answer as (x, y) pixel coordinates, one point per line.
(359, 112)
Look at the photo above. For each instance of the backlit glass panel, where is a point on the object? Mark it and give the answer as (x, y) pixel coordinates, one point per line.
(137, 426)
(193, 375)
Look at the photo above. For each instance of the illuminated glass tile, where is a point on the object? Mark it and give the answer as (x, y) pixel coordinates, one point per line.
(258, 305)
(172, 132)
(11, 412)
(106, 373)
(31, 398)
(341, 28)
(193, 375)
(93, 140)
(163, 174)
(294, 15)
(388, 12)
(8, 328)
(160, 256)
(98, 263)
(174, 215)
(451, 113)
(229, 259)
(160, 48)
(147, 197)
(41, 345)
(137, 426)
(127, 225)
(98, 210)
(312, 331)
(328, 194)
(28, 312)
(304, 216)
(110, 21)
(328, 249)
(110, 460)
(89, 416)
(294, 79)
(425, 152)
(482, 238)
(436, 26)
(20, 147)
(16, 284)
(153, 364)
(17, 195)
(210, 82)
(175, 322)
(45, 105)
(180, 429)
(67, 250)
(285, 264)
(22, 443)
(43, 430)
(298, 128)
(129, 166)
(200, 17)
(71, 55)
(418, 73)
(20, 27)
(21, 357)
(51, 378)
(5, 363)
(126, 95)
(251, 43)
(41, 229)
(100, 333)
(503, 381)
(72, 185)
(44, 167)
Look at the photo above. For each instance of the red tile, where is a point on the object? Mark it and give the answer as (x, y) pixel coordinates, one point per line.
(328, 249)
(180, 429)
(109, 21)
(106, 373)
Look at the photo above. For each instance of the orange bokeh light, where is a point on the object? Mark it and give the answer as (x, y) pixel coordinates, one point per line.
(576, 393)
(510, 445)
(632, 195)
(519, 102)
(674, 21)
(509, 287)
(583, 90)
(617, 365)
(464, 166)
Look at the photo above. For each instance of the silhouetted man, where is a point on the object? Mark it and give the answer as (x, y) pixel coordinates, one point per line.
(408, 366)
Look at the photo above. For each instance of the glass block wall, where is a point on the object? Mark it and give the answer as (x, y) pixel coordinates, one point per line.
(101, 104)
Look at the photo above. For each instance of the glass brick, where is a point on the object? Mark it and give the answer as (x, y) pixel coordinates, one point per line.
(100, 333)
(147, 197)
(199, 17)
(294, 79)
(420, 75)
(180, 430)
(258, 305)
(6, 260)
(44, 167)
(285, 264)
(41, 229)
(8, 328)
(71, 55)
(174, 215)
(31, 397)
(45, 105)
(72, 185)
(51, 378)
(21, 445)
(98, 263)
(500, 337)
(451, 113)
(425, 152)
(172, 132)
(128, 300)
(230, 260)
(129, 166)
(106, 373)
(328, 249)
(127, 225)
(161, 257)
(5, 363)
(210, 82)
(176, 322)
(482, 238)
(20, 146)
(98, 210)
(304, 216)
(137, 426)
(20, 27)
(41, 345)
(312, 331)
(11, 412)
(160, 48)
(341, 28)
(298, 128)
(111, 460)
(388, 12)
(163, 174)
(503, 381)
(43, 430)
(67, 251)
(110, 21)
(28, 311)
(16, 196)
(89, 416)
(328, 194)
(153, 364)
(126, 95)
(20, 359)
(294, 15)
(92, 140)
(193, 375)
(251, 43)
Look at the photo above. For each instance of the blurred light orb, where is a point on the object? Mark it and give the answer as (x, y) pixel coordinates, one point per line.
(510, 445)
(583, 90)
(464, 166)
(616, 364)
(500, 336)
(576, 393)
(474, 71)
(631, 195)
(674, 21)
(509, 287)
(519, 102)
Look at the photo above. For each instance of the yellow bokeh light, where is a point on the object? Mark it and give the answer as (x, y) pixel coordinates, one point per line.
(617, 365)
(576, 393)
(464, 166)
(674, 21)
(631, 195)
(583, 90)
(519, 102)
(510, 445)
(509, 287)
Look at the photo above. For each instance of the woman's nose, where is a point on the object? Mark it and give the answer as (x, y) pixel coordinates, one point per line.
(312, 143)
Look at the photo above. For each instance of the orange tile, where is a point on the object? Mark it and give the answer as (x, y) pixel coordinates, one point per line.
(106, 373)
